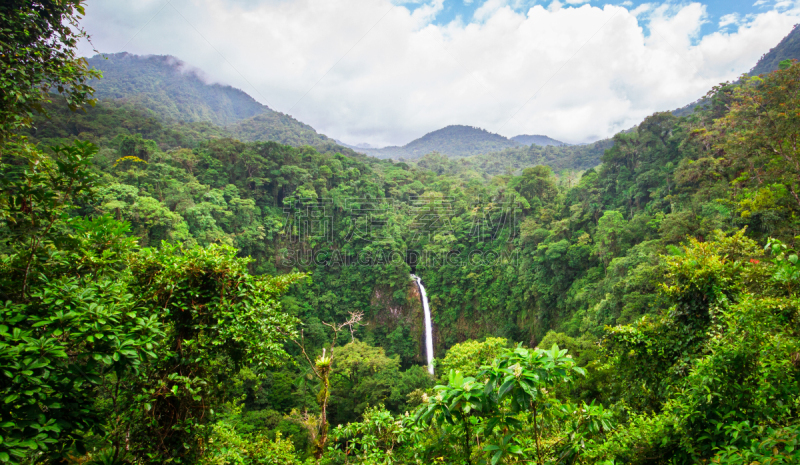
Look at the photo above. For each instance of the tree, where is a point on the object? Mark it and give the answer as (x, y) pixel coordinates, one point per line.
(228, 446)
(381, 438)
(38, 192)
(536, 182)
(357, 360)
(523, 376)
(470, 356)
(322, 368)
(609, 236)
(219, 318)
(365, 376)
(730, 390)
(518, 383)
(68, 324)
(37, 56)
(760, 132)
(100, 339)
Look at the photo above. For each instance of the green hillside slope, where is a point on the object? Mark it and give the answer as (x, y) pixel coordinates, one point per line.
(514, 160)
(787, 49)
(278, 127)
(485, 154)
(537, 139)
(174, 92)
(453, 141)
(170, 88)
(458, 141)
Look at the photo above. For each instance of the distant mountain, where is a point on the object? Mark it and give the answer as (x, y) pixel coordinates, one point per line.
(543, 141)
(176, 92)
(171, 88)
(514, 160)
(458, 141)
(453, 141)
(360, 146)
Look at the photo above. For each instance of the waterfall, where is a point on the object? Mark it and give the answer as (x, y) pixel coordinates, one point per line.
(428, 324)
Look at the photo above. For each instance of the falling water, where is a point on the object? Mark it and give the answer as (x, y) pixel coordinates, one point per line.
(428, 325)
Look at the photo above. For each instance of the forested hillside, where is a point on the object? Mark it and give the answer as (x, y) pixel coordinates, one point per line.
(514, 160)
(172, 294)
(536, 139)
(109, 119)
(453, 141)
(787, 49)
(176, 93)
(483, 153)
(170, 88)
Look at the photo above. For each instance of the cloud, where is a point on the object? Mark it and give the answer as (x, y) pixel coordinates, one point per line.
(382, 73)
(785, 4)
(727, 20)
(641, 9)
(488, 8)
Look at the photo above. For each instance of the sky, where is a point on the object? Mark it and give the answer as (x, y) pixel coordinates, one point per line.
(385, 72)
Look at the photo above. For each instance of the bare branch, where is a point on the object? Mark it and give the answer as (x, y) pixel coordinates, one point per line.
(302, 345)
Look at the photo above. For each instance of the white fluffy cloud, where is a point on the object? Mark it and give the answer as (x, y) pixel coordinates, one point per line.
(374, 71)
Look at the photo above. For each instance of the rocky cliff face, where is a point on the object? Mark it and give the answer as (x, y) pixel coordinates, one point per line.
(389, 317)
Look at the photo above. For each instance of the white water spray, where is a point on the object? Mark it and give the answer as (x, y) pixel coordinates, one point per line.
(428, 324)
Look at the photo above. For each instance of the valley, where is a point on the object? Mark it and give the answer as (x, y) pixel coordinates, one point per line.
(189, 276)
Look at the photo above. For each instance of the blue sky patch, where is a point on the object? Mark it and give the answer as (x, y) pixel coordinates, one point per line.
(723, 15)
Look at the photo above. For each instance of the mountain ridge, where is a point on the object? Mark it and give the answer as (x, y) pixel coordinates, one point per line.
(787, 49)
(537, 139)
(178, 92)
(454, 140)
(171, 88)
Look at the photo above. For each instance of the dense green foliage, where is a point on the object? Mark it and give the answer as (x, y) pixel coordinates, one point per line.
(110, 118)
(37, 55)
(561, 159)
(174, 295)
(573, 256)
(278, 127)
(101, 338)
